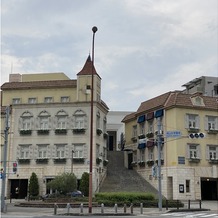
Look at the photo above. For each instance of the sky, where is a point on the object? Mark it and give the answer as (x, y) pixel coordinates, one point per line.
(143, 48)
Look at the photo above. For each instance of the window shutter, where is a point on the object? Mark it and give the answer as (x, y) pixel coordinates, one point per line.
(85, 152)
(20, 123)
(18, 152)
(198, 122)
(186, 121)
(35, 152)
(66, 148)
(207, 153)
(206, 123)
(216, 123)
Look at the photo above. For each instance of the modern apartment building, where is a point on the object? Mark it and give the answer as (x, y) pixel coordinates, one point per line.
(189, 138)
(50, 128)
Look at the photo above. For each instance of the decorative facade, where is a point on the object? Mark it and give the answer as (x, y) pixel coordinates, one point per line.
(50, 128)
(189, 150)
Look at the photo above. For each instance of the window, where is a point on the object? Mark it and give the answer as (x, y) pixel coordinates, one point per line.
(211, 123)
(48, 99)
(26, 123)
(134, 131)
(105, 125)
(187, 185)
(192, 121)
(142, 155)
(24, 152)
(65, 99)
(43, 122)
(142, 128)
(213, 152)
(78, 151)
(61, 124)
(60, 151)
(16, 101)
(216, 89)
(42, 151)
(80, 120)
(150, 126)
(194, 151)
(31, 100)
(98, 120)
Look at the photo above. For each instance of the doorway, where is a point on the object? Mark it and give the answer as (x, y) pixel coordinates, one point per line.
(209, 189)
(22, 185)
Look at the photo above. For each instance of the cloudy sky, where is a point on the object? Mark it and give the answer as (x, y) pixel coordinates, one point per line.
(143, 48)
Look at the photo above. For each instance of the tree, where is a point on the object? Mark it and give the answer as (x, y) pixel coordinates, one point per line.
(64, 183)
(84, 184)
(33, 185)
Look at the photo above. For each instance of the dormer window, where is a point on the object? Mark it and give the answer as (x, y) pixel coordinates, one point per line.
(197, 101)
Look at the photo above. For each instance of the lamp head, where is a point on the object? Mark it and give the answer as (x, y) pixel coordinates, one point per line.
(94, 29)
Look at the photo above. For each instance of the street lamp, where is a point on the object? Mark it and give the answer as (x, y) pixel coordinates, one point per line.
(94, 30)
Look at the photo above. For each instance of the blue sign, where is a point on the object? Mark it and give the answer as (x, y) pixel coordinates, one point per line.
(173, 134)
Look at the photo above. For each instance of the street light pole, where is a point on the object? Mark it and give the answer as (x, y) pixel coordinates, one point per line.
(94, 30)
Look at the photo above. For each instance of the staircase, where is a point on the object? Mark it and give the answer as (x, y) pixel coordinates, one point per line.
(121, 179)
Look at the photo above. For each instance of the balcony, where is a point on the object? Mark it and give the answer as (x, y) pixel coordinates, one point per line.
(79, 130)
(141, 163)
(212, 131)
(43, 131)
(60, 131)
(194, 159)
(59, 160)
(141, 136)
(25, 132)
(213, 160)
(150, 135)
(98, 160)
(23, 160)
(192, 129)
(42, 160)
(150, 162)
(99, 131)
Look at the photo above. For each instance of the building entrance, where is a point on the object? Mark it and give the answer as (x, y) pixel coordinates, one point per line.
(19, 188)
(209, 189)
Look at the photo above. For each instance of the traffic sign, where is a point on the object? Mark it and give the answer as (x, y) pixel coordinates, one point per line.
(173, 134)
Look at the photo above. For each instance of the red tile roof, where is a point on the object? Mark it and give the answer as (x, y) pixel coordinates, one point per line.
(39, 84)
(87, 68)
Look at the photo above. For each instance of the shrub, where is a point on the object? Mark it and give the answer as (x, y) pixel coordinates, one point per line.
(33, 186)
(84, 184)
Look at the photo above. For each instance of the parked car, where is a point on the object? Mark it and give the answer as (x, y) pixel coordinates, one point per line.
(76, 193)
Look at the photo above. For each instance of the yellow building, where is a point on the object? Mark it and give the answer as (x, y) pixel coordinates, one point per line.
(50, 127)
(189, 138)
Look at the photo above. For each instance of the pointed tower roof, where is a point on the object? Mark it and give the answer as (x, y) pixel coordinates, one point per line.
(87, 68)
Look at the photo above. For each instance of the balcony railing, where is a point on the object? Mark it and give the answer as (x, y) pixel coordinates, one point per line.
(60, 131)
(25, 132)
(43, 131)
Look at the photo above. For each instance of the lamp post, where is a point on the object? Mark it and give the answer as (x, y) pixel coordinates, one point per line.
(94, 30)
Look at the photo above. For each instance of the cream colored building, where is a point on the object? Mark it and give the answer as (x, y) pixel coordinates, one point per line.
(50, 127)
(189, 159)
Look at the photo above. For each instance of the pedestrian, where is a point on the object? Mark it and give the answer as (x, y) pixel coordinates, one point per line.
(17, 192)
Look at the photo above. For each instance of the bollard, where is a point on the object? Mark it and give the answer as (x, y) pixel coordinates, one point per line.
(177, 204)
(115, 207)
(141, 208)
(68, 208)
(189, 204)
(102, 208)
(131, 208)
(81, 208)
(55, 209)
(124, 208)
(166, 204)
(200, 204)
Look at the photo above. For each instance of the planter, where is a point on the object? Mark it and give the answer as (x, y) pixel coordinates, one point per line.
(141, 163)
(150, 135)
(24, 161)
(98, 160)
(42, 160)
(105, 162)
(99, 131)
(78, 160)
(43, 131)
(79, 130)
(150, 162)
(105, 135)
(142, 136)
(25, 132)
(60, 131)
(60, 160)
(134, 164)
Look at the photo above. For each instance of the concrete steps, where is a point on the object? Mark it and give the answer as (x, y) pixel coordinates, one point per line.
(121, 179)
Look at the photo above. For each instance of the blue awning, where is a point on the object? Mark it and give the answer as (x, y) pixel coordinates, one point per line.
(141, 146)
(141, 119)
(159, 113)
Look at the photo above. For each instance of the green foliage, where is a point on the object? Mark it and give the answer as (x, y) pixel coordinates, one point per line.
(33, 185)
(123, 197)
(84, 184)
(64, 183)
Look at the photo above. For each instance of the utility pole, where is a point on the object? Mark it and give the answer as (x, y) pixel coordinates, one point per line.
(159, 143)
(5, 158)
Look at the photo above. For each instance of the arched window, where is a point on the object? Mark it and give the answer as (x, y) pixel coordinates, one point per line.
(61, 119)
(79, 120)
